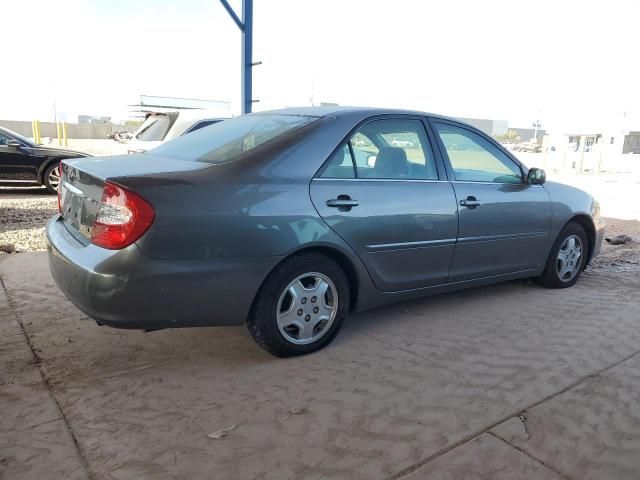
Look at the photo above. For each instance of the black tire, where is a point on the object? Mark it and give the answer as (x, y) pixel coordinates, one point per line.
(550, 277)
(262, 320)
(46, 178)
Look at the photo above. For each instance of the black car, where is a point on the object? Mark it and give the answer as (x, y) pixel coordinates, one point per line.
(24, 163)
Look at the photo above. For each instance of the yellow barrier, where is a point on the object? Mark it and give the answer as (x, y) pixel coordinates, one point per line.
(35, 127)
(64, 134)
(59, 132)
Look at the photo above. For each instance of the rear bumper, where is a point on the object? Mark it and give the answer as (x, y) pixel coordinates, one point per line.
(125, 289)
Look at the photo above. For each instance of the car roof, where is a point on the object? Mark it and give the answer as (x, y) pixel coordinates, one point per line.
(335, 110)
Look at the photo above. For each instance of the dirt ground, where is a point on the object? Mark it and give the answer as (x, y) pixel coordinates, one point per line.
(510, 381)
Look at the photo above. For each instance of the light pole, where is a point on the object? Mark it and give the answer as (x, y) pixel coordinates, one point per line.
(536, 125)
(246, 28)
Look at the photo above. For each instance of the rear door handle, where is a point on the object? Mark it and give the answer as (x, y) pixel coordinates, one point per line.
(344, 203)
(341, 203)
(470, 202)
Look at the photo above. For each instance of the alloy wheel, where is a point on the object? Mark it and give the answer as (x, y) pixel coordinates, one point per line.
(54, 177)
(307, 308)
(569, 258)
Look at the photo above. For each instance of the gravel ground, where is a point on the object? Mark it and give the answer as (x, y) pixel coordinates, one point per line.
(621, 260)
(23, 215)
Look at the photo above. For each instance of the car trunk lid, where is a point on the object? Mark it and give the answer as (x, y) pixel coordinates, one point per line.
(82, 183)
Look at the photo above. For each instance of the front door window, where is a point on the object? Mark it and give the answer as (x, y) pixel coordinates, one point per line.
(475, 159)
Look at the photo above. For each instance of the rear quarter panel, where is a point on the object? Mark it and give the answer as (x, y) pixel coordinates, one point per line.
(258, 205)
(204, 220)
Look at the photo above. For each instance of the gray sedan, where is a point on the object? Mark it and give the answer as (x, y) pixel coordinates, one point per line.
(288, 220)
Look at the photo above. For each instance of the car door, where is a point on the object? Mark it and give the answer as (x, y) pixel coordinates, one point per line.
(16, 163)
(385, 194)
(504, 221)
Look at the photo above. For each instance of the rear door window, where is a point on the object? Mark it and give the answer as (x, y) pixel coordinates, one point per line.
(340, 165)
(394, 149)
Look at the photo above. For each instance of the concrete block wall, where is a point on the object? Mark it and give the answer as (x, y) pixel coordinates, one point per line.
(74, 130)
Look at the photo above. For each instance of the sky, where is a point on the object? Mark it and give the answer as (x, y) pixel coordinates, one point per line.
(570, 64)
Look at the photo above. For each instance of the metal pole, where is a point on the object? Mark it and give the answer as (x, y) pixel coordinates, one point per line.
(246, 28)
(232, 14)
(247, 55)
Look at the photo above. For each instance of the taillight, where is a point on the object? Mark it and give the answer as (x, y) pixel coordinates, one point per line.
(123, 216)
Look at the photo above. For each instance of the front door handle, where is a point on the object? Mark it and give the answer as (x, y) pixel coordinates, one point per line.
(344, 203)
(470, 202)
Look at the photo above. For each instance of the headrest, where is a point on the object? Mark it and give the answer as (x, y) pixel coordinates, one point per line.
(391, 162)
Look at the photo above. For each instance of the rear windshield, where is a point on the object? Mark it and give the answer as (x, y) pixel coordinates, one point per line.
(226, 141)
(154, 128)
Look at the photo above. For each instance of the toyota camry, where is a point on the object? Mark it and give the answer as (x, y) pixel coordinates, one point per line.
(289, 220)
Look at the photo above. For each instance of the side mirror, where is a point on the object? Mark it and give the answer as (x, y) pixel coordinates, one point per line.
(536, 176)
(13, 144)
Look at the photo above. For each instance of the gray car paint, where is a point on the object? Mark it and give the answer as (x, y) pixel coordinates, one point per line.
(509, 232)
(403, 231)
(220, 229)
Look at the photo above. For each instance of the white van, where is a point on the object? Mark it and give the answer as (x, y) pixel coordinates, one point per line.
(159, 127)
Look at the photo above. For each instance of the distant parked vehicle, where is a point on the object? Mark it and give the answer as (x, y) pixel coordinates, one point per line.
(121, 137)
(402, 143)
(161, 127)
(24, 163)
(508, 145)
(531, 147)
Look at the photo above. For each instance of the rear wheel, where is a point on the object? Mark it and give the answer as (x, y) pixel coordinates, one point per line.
(52, 177)
(567, 259)
(301, 306)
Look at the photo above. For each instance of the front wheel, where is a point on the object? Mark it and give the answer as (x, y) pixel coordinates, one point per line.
(567, 258)
(301, 306)
(52, 177)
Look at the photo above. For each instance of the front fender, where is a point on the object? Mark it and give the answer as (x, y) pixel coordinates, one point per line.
(569, 203)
